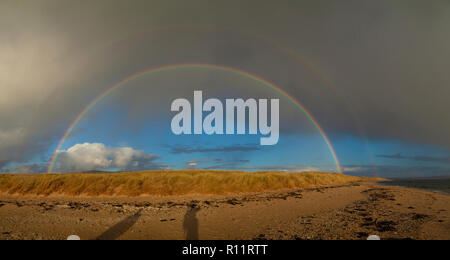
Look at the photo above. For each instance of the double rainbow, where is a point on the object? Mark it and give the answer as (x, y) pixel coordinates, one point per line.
(185, 66)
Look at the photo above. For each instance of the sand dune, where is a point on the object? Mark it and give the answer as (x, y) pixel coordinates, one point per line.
(164, 183)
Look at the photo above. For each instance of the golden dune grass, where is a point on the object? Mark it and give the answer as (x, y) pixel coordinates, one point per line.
(164, 183)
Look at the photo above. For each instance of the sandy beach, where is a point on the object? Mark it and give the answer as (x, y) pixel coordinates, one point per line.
(350, 211)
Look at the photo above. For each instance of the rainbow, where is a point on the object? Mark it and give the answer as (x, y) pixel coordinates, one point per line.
(283, 50)
(258, 79)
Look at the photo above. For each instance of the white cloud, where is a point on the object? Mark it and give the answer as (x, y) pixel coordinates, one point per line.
(191, 165)
(97, 156)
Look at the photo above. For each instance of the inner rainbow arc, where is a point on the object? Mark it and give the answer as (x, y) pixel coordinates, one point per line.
(202, 66)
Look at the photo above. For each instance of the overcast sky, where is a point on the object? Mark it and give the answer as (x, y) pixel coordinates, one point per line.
(374, 74)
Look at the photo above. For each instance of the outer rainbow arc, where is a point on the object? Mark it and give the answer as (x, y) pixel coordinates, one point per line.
(205, 66)
(288, 52)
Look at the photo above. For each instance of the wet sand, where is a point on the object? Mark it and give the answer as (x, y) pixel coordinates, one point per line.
(351, 211)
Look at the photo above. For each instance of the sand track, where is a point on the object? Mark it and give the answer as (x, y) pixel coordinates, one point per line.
(351, 211)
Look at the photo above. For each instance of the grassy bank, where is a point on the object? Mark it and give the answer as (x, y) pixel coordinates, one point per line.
(163, 183)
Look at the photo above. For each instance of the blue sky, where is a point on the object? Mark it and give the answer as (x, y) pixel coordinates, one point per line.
(132, 123)
(299, 151)
(105, 124)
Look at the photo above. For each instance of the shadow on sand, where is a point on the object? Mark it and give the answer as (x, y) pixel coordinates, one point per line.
(190, 223)
(120, 228)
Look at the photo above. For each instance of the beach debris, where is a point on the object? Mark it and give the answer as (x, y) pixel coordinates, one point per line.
(362, 234)
(234, 202)
(419, 216)
(384, 226)
(77, 205)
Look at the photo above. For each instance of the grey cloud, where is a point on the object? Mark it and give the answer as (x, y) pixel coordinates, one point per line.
(395, 156)
(180, 149)
(227, 164)
(30, 168)
(282, 168)
(432, 159)
(392, 171)
(417, 158)
(232, 53)
(389, 62)
(214, 163)
(194, 164)
(242, 165)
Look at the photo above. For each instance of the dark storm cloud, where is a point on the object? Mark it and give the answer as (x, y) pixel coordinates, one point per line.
(389, 61)
(435, 159)
(180, 149)
(28, 168)
(232, 54)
